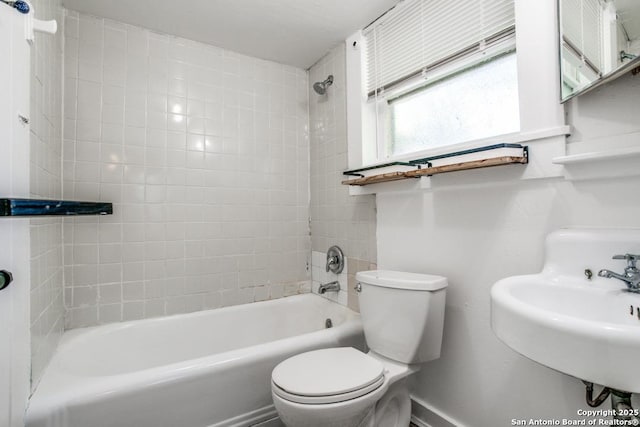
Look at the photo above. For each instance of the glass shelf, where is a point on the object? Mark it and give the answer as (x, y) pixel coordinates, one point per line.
(41, 207)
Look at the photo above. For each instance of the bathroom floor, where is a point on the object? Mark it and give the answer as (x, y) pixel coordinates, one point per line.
(278, 423)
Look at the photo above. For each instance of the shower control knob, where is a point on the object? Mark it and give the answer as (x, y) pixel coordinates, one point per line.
(5, 279)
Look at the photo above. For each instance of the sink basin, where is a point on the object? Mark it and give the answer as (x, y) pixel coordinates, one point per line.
(587, 328)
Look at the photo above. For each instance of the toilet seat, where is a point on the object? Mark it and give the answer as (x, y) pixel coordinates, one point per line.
(327, 376)
(323, 400)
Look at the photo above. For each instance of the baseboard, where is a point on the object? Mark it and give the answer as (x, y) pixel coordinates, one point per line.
(274, 422)
(422, 415)
(415, 422)
(425, 415)
(263, 417)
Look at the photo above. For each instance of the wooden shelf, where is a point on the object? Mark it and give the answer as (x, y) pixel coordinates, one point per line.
(375, 179)
(417, 173)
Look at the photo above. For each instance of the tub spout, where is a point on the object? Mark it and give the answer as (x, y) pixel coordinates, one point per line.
(331, 286)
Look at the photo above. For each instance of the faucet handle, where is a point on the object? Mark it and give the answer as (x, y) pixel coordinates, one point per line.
(335, 260)
(631, 259)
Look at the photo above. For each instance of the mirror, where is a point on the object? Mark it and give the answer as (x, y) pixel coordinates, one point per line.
(599, 41)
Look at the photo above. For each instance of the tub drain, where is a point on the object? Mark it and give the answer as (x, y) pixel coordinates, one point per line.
(328, 323)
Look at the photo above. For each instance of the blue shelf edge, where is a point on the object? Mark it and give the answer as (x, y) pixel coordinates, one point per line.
(41, 207)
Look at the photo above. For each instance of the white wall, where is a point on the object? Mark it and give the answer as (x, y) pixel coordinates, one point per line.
(47, 306)
(608, 113)
(204, 153)
(475, 235)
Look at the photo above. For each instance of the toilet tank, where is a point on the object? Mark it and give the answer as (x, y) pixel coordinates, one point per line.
(402, 314)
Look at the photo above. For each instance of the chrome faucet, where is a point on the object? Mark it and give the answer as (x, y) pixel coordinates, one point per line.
(631, 275)
(331, 287)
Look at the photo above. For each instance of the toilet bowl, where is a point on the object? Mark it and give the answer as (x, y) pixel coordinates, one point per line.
(357, 389)
(402, 316)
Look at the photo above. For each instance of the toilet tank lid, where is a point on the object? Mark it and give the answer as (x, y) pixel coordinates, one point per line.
(402, 280)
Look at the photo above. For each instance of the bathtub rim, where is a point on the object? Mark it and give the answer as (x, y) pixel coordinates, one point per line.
(72, 334)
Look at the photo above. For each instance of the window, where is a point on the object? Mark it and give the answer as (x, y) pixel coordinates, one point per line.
(440, 73)
(479, 103)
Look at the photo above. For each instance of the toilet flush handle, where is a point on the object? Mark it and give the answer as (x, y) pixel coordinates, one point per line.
(358, 287)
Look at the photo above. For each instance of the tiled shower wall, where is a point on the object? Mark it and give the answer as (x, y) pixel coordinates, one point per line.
(336, 217)
(204, 153)
(47, 309)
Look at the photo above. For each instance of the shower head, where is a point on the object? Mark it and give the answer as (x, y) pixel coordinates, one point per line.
(321, 87)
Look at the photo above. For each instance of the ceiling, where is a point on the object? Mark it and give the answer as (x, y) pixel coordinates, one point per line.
(294, 32)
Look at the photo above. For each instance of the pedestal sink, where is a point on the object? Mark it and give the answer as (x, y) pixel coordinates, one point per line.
(569, 319)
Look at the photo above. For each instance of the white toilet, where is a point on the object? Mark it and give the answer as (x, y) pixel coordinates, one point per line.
(403, 316)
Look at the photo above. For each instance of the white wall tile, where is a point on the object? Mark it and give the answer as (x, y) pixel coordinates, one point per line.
(336, 217)
(207, 195)
(47, 302)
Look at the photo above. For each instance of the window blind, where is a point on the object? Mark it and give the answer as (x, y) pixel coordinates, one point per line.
(582, 30)
(420, 35)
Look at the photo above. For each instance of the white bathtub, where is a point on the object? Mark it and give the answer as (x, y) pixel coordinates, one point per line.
(211, 368)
